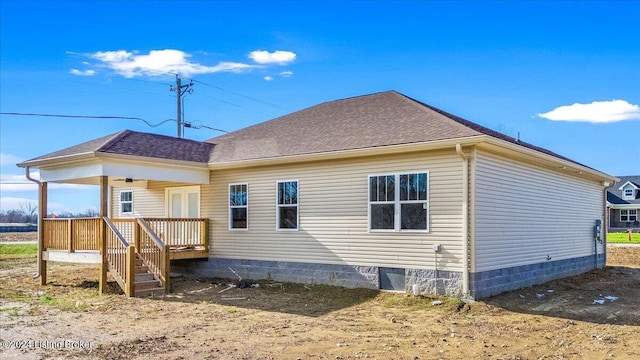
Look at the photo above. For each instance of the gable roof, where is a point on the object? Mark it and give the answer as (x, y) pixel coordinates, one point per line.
(368, 121)
(615, 195)
(135, 143)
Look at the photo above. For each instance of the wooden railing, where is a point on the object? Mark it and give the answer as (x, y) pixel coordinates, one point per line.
(72, 234)
(120, 256)
(181, 232)
(154, 254)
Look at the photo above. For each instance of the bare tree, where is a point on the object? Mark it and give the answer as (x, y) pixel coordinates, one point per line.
(29, 211)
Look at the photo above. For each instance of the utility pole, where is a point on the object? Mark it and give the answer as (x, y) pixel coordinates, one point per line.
(180, 91)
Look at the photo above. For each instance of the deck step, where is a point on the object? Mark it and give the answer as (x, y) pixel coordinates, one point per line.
(146, 276)
(141, 269)
(151, 291)
(147, 284)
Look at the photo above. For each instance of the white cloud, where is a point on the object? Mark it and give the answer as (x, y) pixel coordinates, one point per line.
(286, 73)
(9, 159)
(277, 57)
(268, 78)
(82, 73)
(160, 62)
(595, 112)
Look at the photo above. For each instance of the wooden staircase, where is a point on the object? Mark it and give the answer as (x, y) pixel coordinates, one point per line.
(146, 283)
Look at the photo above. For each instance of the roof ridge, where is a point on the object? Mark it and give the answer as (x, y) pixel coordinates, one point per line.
(113, 140)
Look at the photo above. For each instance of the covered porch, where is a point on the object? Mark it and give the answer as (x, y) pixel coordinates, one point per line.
(136, 248)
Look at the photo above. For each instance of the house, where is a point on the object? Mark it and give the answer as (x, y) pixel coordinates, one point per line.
(623, 202)
(378, 191)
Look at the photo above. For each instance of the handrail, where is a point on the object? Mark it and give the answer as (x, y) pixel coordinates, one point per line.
(120, 256)
(116, 231)
(145, 226)
(153, 252)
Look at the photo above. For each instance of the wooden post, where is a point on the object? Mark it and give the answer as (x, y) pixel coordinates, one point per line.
(42, 214)
(70, 239)
(130, 270)
(205, 234)
(102, 283)
(167, 269)
(136, 237)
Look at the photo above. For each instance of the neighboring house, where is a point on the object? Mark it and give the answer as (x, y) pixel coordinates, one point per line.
(623, 202)
(378, 191)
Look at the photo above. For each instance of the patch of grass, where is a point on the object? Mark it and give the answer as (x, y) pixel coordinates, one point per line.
(623, 238)
(12, 311)
(421, 302)
(231, 310)
(18, 249)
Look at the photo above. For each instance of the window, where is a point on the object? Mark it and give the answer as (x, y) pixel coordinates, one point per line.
(238, 206)
(126, 202)
(399, 202)
(287, 205)
(630, 215)
(628, 193)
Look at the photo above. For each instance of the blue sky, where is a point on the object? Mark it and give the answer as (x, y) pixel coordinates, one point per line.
(564, 75)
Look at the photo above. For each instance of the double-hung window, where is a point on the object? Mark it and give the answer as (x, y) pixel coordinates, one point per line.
(238, 206)
(399, 202)
(287, 215)
(629, 215)
(126, 202)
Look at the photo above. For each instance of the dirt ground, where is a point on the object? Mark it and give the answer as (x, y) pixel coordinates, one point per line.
(591, 316)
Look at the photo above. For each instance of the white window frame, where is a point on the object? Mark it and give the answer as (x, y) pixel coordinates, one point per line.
(122, 202)
(630, 195)
(296, 205)
(231, 207)
(627, 213)
(397, 214)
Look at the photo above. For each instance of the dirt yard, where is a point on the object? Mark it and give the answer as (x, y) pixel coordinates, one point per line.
(592, 316)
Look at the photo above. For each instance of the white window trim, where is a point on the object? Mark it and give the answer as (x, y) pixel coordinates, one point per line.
(628, 215)
(125, 202)
(231, 228)
(297, 205)
(628, 197)
(397, 221)
(167, 210)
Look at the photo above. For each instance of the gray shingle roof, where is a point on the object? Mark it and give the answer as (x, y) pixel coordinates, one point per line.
(135, 143)
(368, 121)
(614, 194)
(375, 120)
(380, 119)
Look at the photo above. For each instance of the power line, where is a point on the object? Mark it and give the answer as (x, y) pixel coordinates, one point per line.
(87, 117)
(186, 124)
(238, 94)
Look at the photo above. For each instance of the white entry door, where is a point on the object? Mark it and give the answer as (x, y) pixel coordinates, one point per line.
(183, 202)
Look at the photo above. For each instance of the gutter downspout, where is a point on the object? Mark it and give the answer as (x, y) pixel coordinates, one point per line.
(40, 220)
(465, 221)
(605, 227)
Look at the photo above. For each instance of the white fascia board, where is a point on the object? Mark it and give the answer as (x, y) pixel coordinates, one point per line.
(122, 167)
(71, 172)
(354, 153)
(553, 162)
(155, 171)
(625, 206)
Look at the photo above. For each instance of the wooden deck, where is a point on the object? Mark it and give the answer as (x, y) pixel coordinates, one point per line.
(137, 252)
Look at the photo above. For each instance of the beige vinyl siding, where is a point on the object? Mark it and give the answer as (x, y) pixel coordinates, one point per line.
(147, 202)
(523, 214)
(333, 206)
